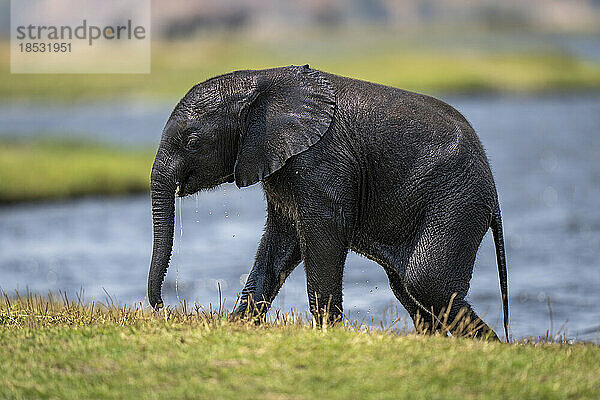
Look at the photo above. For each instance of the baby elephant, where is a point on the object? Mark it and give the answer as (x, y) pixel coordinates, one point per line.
(396, 176)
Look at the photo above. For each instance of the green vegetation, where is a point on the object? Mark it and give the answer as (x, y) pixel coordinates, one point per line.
(176, 66)
(47, 169)
(63, 349)
(57, 169)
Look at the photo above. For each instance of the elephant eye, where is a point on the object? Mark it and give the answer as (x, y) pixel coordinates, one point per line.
(193, 143)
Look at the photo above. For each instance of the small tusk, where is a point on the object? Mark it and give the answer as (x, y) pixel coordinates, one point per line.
(158, 306)
(177, 189)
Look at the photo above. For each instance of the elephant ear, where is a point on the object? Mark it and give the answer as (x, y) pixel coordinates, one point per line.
(288, 111)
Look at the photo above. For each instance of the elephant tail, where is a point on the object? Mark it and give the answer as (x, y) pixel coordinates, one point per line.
(496, 226)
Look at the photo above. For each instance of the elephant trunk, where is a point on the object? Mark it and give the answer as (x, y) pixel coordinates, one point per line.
(163, 187)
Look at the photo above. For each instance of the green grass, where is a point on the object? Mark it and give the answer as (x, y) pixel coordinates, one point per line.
(405, 63)
(50, 169)
(58, 349)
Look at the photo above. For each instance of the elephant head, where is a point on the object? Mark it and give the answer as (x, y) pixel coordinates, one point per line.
(240, 127)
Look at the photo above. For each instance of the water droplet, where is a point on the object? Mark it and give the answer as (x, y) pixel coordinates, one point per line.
(550, 196)
(51, 277)
(542, 297)
(180, 218)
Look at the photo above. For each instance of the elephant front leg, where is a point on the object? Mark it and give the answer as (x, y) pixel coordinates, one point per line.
(324, 258)
(277, 256)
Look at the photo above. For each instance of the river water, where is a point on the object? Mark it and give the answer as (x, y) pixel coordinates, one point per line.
(544, 152)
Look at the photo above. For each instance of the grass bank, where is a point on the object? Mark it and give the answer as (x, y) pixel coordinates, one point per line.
(53, 169)
(386, 59)
(58, 349)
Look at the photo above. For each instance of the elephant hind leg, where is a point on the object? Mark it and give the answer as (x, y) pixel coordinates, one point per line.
(463, 321)
(437, 277)
(445, 312)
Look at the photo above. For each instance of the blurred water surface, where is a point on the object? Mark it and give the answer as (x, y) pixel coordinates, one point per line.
(544, 152)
